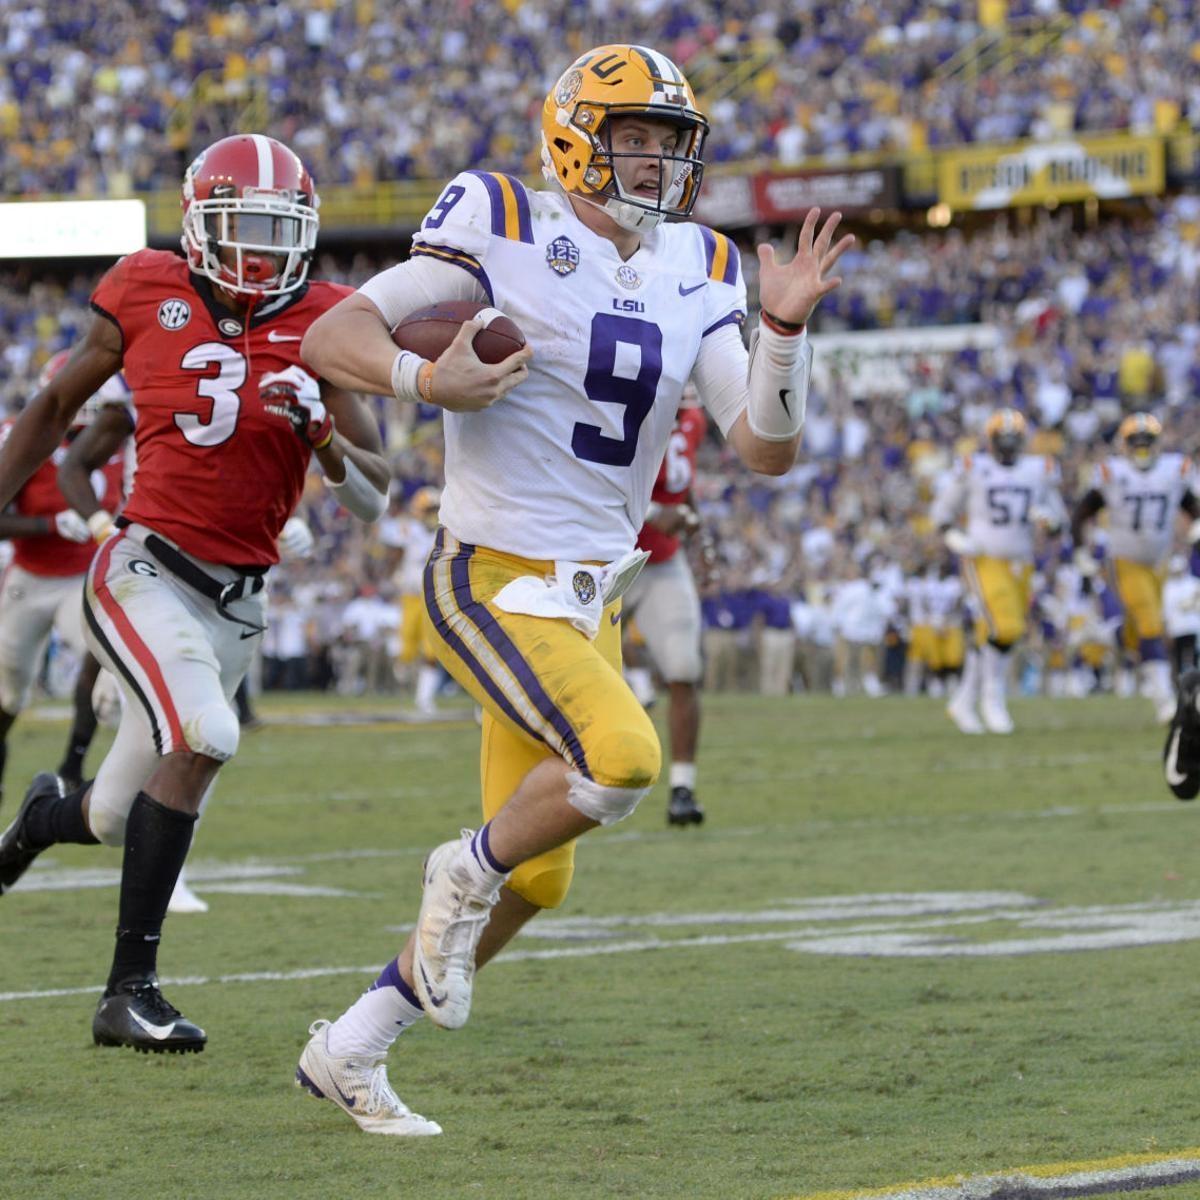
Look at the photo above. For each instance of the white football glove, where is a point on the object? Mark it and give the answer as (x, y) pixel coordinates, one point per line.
(294, 379)
(100, 525)
(957, 542)
(1085, 561)
(70, 525)
(296, 539)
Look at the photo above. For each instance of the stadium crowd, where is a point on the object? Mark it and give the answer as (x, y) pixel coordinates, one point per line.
(829, 80)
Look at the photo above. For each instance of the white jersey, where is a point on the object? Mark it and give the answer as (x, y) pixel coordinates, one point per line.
(1002, 503)
(1142, 505)
(563, 466)
(1181, 605)
(945, 599)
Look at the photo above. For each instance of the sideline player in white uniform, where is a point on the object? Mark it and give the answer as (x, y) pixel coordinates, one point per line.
(42, 590)
(550, 459)
(1142, 491)
(228, 422)
(1006, 496)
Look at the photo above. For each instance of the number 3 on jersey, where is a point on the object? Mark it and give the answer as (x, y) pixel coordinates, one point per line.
(616, 342)
(221, 391)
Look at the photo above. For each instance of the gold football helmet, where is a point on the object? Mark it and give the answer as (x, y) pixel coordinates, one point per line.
(1006, 430)
(1138, 438)
(577, 153)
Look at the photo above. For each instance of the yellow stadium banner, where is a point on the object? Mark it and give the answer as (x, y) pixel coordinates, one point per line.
(1106, 168)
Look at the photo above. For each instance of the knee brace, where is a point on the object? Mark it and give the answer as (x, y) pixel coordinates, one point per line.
(608, 805)
(214, 731)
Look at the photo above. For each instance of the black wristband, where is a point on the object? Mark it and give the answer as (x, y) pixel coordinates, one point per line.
(780, 324)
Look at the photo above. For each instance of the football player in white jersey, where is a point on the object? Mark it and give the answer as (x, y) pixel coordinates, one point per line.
(550, 460)
(1006, 495)
(1142, 491)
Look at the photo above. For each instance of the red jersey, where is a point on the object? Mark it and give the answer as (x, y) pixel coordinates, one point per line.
(217, 473)
(675, 476)
(50, 554)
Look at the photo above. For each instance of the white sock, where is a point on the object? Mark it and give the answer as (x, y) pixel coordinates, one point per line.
(377, 1018)
(428, 678)
(683, 774)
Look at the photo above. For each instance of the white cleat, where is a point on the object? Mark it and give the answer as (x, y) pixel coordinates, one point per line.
(964, 717)
(449, 926)
(995, 717)
(359, 1087)
(184, 900)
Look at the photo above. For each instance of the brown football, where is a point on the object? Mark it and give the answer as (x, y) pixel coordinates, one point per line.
(428, 331)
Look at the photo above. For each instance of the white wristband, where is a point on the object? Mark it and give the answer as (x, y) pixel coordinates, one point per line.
(357, 494)
(778, 388)
(405, 368)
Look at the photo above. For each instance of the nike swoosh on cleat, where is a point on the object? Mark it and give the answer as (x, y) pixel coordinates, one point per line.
(688, 291)
(158, 1032)
(1175, 777)
(272, 336)
(783, 395)
(348, 1101)
(434, 999)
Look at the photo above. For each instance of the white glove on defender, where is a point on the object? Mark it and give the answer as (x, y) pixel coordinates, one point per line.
(957, 542)
(70, 525)
(296, 539)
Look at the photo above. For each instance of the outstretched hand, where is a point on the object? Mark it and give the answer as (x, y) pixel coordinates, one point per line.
(790, 291)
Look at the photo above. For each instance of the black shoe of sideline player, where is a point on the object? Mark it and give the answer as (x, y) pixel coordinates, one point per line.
(682, 808)
(1181, 755)
(137, 1014)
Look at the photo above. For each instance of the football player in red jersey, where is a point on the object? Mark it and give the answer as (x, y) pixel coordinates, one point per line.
(42, 590)
(664, 602)
(228, 420)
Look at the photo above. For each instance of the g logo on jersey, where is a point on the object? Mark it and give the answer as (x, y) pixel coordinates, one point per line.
(139, 566)
(562, 256)
(584, 587)
(230, 326)
(174, 313)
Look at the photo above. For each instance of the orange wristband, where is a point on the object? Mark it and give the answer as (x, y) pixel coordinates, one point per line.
(425, 382)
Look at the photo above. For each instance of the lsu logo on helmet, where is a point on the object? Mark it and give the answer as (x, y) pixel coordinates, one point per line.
(577, 154)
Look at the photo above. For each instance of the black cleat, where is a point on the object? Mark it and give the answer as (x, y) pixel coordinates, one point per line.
(1181, 754)
(138, 1015)
(16, 851)
(682, 808)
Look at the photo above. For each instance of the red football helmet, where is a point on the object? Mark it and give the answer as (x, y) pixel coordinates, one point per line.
(250, 216)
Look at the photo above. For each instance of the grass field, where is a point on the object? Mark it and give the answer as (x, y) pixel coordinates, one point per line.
(893, 954)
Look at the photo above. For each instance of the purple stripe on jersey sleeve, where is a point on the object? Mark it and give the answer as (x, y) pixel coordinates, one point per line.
(737, 317)
(471, 265)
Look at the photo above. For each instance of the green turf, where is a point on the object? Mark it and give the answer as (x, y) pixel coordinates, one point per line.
(702, 1056)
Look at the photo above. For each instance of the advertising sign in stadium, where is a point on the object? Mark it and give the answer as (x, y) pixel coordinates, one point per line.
(738, 200)
(1033, 173)
(788, 197)
(72, 228)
